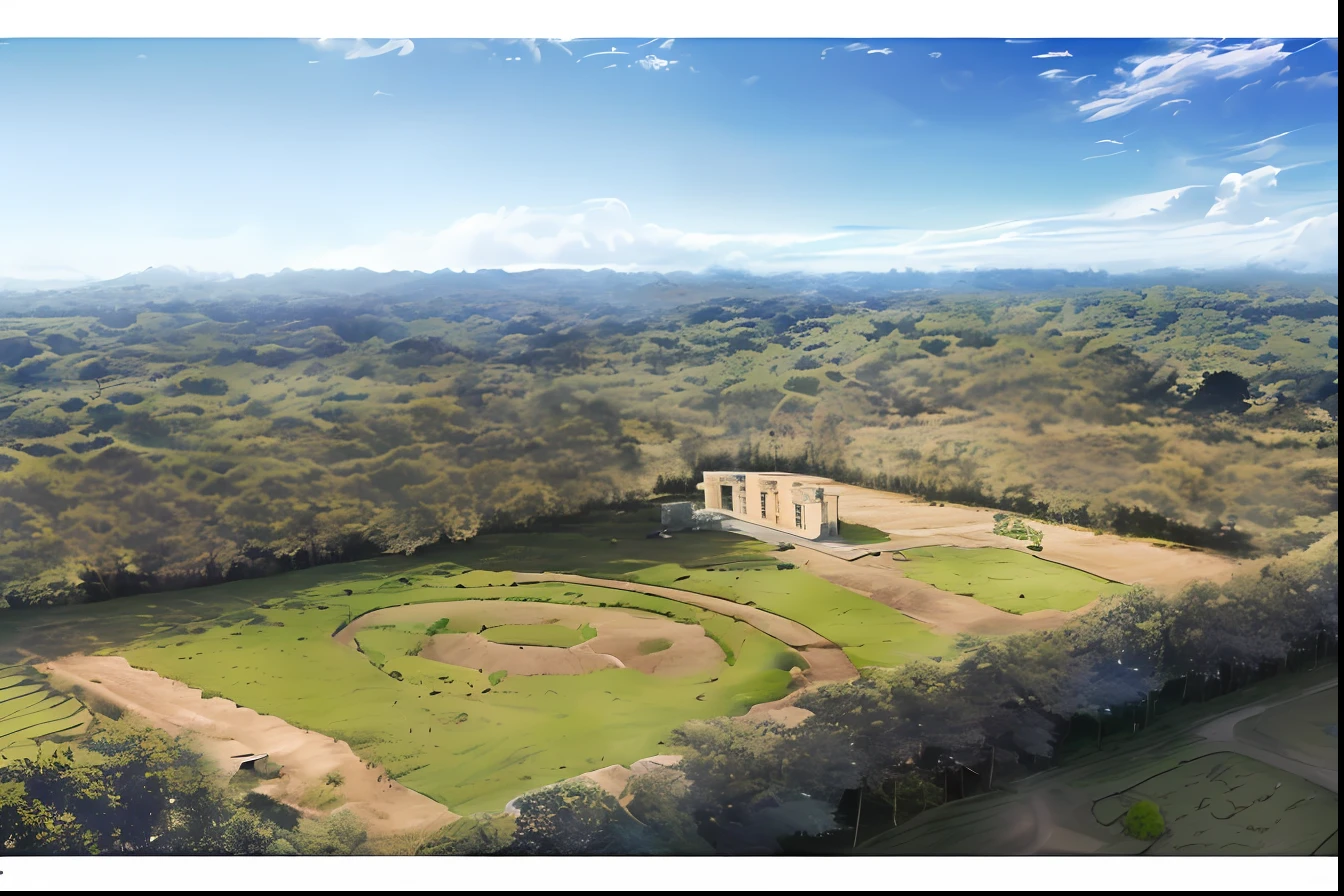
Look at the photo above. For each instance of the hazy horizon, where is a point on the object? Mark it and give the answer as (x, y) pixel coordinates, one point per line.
(664, 154)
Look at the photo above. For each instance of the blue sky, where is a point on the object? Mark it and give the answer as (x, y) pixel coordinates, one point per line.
(847, 154)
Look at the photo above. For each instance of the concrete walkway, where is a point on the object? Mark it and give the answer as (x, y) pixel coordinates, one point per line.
(841, 549)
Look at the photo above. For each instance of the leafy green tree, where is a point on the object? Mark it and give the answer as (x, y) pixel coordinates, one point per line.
(1144, 821)
(574, 819)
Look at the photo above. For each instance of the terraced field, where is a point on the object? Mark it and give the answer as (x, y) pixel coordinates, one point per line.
(30, 710)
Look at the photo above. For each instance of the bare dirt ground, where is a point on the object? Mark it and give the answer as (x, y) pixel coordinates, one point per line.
(221, 730)
(826, 661)
(620, 632)
(914, 523)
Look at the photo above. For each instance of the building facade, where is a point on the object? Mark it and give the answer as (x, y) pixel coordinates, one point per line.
(788, 502)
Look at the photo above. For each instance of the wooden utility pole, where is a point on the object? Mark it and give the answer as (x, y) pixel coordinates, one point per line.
(858, 818)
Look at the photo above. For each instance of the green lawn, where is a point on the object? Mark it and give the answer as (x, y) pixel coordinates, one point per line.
(1006, 579)
(857, 533)
(872, 634)
(443, 730)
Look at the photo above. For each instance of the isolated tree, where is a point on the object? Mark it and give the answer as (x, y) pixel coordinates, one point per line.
(1221, 392)
(573, 819)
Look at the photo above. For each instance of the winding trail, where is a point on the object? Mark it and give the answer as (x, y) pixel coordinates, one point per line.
(827, 662)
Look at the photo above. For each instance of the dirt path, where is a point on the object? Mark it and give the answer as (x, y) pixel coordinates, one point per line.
(222, 729)
(620, 635)
(880, 579)
(826, 662)
(1226, 732)
(914, 523)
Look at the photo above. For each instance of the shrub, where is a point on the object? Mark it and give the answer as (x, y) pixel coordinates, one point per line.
(334, 779)
(1144, 821)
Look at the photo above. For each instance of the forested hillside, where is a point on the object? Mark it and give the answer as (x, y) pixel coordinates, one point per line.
(161, 442)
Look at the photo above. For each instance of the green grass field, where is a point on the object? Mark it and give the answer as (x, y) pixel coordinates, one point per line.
(1006, 579)
(872, 634)
(443, 730)
(1226, 804)
(30, 710)
(857, 533)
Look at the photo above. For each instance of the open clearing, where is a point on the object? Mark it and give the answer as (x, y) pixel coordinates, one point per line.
(221, 729)
(447, 731)
(915, 523)
(615, 645)
(1007, 580)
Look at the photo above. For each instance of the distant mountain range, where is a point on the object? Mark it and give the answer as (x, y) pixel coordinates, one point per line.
(612, 287)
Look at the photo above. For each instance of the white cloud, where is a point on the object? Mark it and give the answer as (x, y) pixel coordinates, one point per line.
(1053, 74)
(667, 44)
(885, 51)
(362, 49)
(825, 51)
(1179, 71)
(653, 63)
(142, 56)
(561, 44)
(935, 55)
(1325, 79)
(1082, 79)
(1170, 102)
(1285, 70)
(856, 46)
(1245, 219)
(752, 80)
(1105, 155)
(613, 65)
(1019, 41)
(1241, 198)
(1116, 142)
(1054, 54)
(646, 43)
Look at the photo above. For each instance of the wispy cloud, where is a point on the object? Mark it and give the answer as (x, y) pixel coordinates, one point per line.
(1105, 155)
(381, 93)
(556, 42)
(1171, 102)
(1053, 54)
(1178, 71)
(647, 42)
(1325, 79)
(1246, 218)
(613, 65)
(856, 46)
(1116, 142)
(1053, 74)
(1082, 79)
(935, 55)
(885, 51)
(1013, 40)
(825, 51)
(612, 52)
(667, 44)
(752, 80)
(362, 49)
